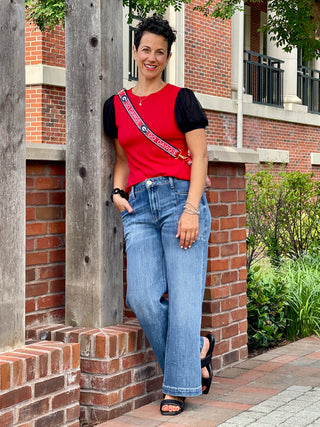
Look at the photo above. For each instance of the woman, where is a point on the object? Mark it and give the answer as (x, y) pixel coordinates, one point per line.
(166, 218)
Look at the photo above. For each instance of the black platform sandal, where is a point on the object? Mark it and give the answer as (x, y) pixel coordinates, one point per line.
(206, 363)
(172, 402)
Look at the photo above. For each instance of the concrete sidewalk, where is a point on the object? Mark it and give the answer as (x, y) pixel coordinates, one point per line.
(277, 388)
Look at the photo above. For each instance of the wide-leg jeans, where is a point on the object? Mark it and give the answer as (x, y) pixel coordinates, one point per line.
(157, 266)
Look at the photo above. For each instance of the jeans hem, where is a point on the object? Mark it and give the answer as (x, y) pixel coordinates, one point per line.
(182, 392)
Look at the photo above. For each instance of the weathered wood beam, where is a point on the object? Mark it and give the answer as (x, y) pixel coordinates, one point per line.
(12, 174)
(94, 239)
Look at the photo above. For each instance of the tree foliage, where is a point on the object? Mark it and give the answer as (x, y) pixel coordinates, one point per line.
(294, 23)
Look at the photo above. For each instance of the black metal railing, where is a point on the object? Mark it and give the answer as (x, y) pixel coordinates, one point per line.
(263, 78)
(308, 88)
(133, 70)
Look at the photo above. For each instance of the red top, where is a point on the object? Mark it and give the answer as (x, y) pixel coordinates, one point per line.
(145, 159)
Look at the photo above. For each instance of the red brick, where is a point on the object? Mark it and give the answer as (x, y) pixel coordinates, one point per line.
(49, 183)
(228, 223)
(30, 275)
(133, 391)
(33, 410)
(57, 227)
(57, 285)
(238, 209)
(30, 306)
(238, 288)
(4, 375)
(239, 341)
(73, 413)
(57, 255)
(36, 198)
(55, 419)
(237, 183)
(66, 398)
(238, 235)
(110, 382)
(99, 399)
(100, 345)
(49, 386)
(99, 367)
(229, 303)
(228, 196)
(239, 261)
(134, 360)
(51, 271)
(239, 314)
(49, 242)
(6, 419)
(36, 289)
(230, 331)
(15, 397)
(33, 168)
(29, 245)
(36, 258)
(56, 300)
(57, 198)
(36, 228)
(227, 250)
(49, 212)
(75, 355)
(219, 237)
(30, 214)
(218, 265)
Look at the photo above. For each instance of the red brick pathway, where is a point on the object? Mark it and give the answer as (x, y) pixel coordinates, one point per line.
(239, 388)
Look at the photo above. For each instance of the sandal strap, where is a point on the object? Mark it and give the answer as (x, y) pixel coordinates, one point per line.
(206, 361)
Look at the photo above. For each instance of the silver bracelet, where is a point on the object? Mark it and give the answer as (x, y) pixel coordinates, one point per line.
(195, 209)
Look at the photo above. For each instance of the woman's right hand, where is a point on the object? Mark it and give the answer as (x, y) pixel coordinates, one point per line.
(121, 203)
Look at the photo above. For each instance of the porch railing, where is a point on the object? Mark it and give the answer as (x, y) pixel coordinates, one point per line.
(263, 78)
(308, 89)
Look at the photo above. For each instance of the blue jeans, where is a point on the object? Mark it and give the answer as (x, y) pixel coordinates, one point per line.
(156, 265)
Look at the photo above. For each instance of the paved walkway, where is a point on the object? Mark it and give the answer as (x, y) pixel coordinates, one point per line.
(277, 388)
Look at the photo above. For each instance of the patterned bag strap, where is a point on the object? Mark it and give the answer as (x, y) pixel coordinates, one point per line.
(147, 132)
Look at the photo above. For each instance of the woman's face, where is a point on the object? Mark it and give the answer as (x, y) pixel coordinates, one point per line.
(151, 56)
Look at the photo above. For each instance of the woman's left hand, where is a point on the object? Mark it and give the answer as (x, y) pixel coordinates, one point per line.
(188, 229)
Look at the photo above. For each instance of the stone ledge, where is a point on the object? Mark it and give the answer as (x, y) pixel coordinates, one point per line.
(54, 152)
(273, 156)
(315, 159)
(232, 155)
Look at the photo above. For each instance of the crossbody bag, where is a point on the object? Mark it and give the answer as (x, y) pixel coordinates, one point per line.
(149, 134)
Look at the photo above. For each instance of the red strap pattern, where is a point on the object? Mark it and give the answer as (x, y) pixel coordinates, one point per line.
(165, 146)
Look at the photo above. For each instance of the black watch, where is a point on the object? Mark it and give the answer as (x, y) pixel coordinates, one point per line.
(119, 191)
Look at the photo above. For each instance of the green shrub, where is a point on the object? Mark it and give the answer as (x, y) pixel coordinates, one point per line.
(303, 295)
(283, 215)
(266, 303)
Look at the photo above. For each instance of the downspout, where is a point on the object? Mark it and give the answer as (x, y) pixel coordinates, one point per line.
(240, 78)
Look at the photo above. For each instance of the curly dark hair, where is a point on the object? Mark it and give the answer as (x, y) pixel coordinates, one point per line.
(155, 25)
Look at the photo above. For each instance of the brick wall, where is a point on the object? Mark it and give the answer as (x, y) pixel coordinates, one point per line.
(45, 105)
(40, 385)
(207, 53)
(225, 301)
(118, 369)
(45, 48)
(45, 243)
(45, 114)
(271, 134)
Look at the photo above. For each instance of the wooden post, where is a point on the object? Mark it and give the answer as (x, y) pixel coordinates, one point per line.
(94, 238)
(12, 174)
